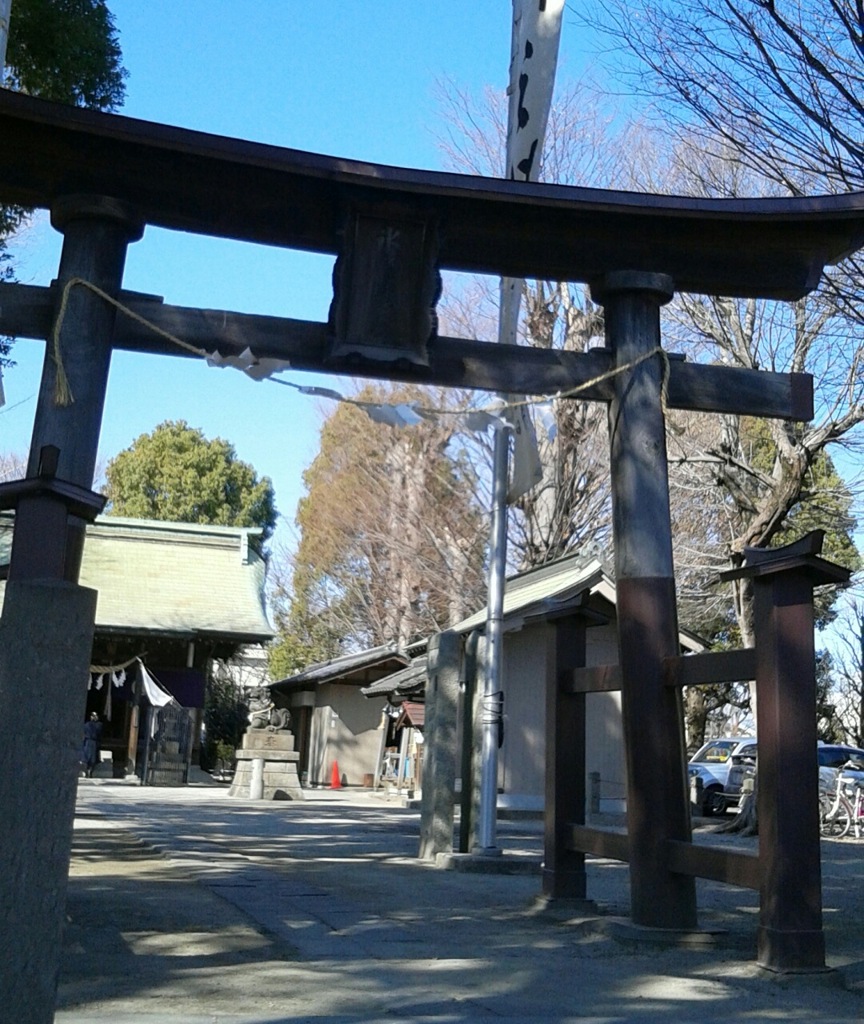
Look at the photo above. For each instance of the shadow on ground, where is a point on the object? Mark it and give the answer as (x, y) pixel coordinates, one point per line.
(217, 910)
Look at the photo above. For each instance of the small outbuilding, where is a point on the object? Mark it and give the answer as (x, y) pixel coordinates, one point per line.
(384, 741)
(338, 731)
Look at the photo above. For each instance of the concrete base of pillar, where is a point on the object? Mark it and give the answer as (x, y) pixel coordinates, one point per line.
(481, 864)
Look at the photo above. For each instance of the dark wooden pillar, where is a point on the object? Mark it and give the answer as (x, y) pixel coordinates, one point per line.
(657, 804)
(564, 868)
(96, 233)
(790, 911)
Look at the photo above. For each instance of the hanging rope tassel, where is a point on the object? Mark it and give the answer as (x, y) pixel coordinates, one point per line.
(62, 391)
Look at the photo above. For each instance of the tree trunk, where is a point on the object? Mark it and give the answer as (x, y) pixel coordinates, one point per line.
(746, 821)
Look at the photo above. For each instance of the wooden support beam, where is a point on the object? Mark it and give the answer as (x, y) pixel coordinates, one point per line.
(96, 234)
(26, 311)
(564, 868)
(593, 679)
(711, 667)
(602, 842)
(730, 866)
(790, 907)
(657, 802)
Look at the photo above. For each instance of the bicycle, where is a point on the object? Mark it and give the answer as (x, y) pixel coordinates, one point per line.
(857, 801)
(844, 810)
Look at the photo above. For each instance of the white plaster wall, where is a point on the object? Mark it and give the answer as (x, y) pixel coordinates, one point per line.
(345, 729)
(521, 760)
(604, 750)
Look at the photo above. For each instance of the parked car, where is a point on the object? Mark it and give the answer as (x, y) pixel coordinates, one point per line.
(713, 762)
(828, 755)
(724, 763)
(835, 755)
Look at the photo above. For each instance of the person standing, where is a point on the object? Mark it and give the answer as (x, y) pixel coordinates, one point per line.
(90, 751)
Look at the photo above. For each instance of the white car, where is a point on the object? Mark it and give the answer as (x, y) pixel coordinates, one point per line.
(712, 763)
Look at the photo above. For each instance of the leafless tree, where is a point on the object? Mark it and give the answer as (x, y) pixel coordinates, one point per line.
(736, 482)
(392, 539)
(571, 505)
(13, 465)
(847, 693)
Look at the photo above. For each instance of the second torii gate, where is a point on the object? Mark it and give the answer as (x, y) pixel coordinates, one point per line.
(105, 177)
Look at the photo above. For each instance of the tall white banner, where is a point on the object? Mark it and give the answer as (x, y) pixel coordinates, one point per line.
(533, 61)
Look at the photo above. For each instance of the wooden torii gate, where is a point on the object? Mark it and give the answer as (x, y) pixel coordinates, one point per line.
(104, 178)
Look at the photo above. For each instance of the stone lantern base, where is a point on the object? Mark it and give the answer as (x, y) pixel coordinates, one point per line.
(275, 747)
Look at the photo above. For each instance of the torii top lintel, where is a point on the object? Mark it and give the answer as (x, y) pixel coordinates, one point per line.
(211, 185)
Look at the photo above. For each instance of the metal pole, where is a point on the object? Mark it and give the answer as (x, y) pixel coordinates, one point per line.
(5, 14)
(533, 58)
(493, 697)
(860, 724)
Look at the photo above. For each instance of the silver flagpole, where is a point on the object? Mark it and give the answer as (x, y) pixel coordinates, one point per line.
(5, 13)
(533, 59)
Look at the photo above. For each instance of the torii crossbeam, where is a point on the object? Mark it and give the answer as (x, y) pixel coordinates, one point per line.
(105, 178)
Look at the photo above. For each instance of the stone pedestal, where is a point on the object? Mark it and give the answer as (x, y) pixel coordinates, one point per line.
(46, 635)
(275, 747)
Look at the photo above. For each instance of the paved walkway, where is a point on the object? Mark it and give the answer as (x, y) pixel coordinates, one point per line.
(188, 906)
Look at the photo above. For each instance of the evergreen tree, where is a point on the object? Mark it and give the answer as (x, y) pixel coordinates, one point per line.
(175, 473)
(62, 50)
(67, 51)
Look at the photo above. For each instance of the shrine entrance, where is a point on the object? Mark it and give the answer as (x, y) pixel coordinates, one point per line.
(105, 177)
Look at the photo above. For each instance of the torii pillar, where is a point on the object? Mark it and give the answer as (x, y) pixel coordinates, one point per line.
(46, 629)
(96, 233)
(657, 803)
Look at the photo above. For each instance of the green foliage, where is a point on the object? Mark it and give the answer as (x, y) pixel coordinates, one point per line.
(828, 724)
(226, 715)
(824, 503)
(65, 50)
(174, 473)
(822, 500)
(62, 50)
(303, 637)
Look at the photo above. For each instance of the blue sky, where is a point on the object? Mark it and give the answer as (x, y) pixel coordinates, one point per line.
(351, 78)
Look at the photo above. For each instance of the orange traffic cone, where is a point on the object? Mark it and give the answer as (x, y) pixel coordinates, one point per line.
(335, 779)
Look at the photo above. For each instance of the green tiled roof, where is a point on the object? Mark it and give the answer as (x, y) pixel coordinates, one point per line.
(539, 591)
(172, 577)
